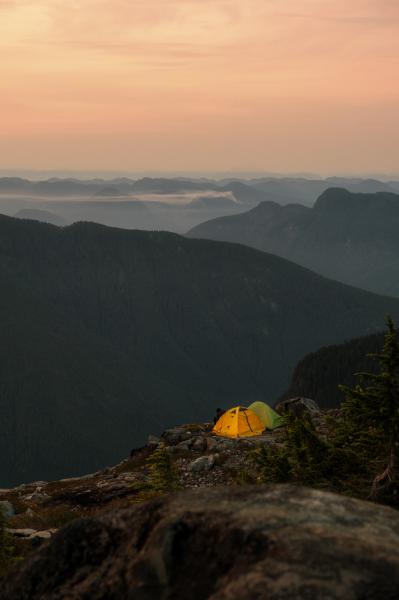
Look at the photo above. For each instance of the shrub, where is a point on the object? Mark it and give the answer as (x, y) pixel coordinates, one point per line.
(162, 475)
(308, 459)
(302, 458)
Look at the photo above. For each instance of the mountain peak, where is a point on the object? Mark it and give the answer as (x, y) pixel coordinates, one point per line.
(337, 198)
(351, 237)
(334, 197)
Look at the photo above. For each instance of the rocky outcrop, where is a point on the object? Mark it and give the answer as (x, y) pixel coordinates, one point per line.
(200, 458)
(298, 406)
(274, 543)
(202, 439)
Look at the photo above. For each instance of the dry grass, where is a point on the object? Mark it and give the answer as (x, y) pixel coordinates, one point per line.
(48, 518)
(136, 461)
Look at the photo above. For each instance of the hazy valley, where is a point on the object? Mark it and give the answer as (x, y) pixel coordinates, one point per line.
(175, 205)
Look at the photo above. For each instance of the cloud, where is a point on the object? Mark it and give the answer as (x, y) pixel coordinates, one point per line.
(177, 32)
(154, 31)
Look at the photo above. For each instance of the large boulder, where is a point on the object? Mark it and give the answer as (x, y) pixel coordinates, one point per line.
(264, 542)
(298, 406)
(199, 444)
(203, 463)
(175, 435)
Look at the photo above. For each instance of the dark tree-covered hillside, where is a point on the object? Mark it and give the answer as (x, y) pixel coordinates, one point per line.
(319, 374)
(108, 335)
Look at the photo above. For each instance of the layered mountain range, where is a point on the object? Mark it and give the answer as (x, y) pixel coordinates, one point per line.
(349, 237)
(285, 189)
(171, 204)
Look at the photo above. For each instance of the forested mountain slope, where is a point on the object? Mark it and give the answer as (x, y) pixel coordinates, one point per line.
(349, 237)
(319, 373)
(108, 335)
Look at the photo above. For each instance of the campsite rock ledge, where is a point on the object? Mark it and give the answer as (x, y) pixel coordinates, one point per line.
(264, 542)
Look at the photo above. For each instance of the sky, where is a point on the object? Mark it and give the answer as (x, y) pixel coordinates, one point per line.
(205, 85)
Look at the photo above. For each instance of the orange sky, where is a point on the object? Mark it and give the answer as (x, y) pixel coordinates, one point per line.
(279, 85)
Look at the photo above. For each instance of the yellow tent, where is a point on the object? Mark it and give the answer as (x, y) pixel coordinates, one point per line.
(239, 422)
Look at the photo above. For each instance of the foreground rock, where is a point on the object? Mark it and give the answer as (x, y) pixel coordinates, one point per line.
(32, 534)
(274, 543)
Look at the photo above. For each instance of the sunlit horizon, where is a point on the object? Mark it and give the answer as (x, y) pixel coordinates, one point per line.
(200, 86)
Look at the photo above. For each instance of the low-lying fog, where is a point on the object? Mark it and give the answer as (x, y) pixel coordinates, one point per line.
(171, 212)
(175, 204)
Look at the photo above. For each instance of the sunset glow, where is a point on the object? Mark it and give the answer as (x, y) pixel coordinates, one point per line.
(279, 85)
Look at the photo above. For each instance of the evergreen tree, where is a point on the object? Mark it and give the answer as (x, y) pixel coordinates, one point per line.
(7, 556)
(303, 457)
(307, 458)
(162, 475)
(370, 420)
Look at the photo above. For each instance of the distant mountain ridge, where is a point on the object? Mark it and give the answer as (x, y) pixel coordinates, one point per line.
(280, 189)
(175, 204)
(349, 237)
(41, 215)
(299, 189)
(97, 187)
(110, 334)
(171, 204)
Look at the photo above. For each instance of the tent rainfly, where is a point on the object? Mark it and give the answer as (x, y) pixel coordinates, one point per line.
(267, 415)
